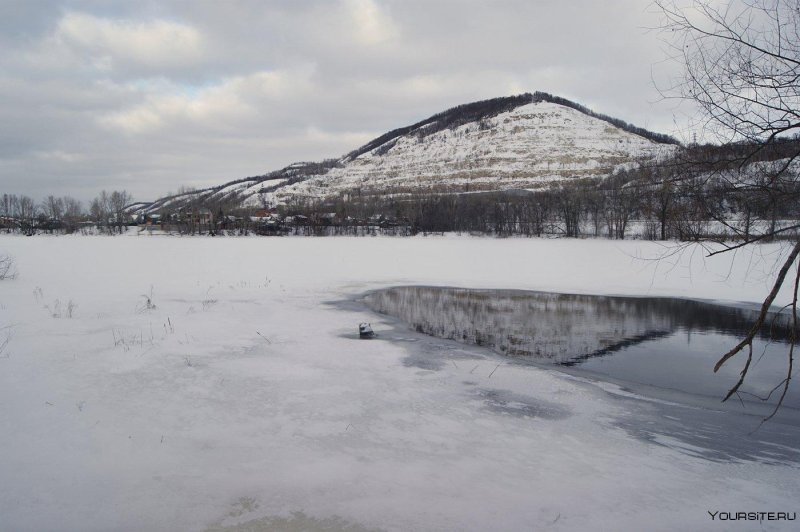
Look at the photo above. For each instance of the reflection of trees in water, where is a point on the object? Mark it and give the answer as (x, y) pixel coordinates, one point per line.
(562, 328)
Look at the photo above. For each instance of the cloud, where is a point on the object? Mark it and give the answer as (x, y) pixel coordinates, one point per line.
(109, 44)
(372, 23)
(225, 106)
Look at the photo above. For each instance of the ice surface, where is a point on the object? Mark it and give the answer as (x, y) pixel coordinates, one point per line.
(243, 397)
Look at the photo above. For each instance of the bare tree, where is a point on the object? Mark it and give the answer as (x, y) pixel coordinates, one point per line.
(24, 209)
(73, 213)
(52, 213)
(620, 203)
(101, 211)
(5, 205)
(117, 201)
(741, 67)
(741, 64)
(53, 207)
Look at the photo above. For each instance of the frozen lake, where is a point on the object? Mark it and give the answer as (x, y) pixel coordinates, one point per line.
(166, 383)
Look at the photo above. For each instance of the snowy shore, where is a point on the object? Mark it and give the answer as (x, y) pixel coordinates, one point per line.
(167, 383)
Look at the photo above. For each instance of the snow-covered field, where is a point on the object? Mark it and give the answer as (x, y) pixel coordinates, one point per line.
(240, 398)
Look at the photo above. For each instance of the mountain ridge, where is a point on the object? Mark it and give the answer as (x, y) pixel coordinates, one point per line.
(482, 109)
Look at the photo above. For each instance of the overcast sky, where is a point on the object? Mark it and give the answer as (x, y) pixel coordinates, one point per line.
(149, 96)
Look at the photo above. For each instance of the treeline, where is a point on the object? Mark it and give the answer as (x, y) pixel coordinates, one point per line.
(676, 199)
(738, 191)
(484, 109)
(107, 212)
(630, 128)
(449, 119)
(733, 156)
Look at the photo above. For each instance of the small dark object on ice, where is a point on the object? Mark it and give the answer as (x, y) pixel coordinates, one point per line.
(365, 331)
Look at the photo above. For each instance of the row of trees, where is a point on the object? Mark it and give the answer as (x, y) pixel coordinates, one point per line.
(677, 199)
(106, 211)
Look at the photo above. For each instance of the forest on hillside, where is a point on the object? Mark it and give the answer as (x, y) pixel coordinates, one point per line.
(703, 192)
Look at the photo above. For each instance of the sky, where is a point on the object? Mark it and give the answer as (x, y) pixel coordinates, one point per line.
(151, 96)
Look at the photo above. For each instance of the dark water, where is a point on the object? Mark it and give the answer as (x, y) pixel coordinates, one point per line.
(664, 343)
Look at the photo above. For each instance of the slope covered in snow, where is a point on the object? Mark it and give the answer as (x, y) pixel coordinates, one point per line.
(526, 147)
(524, 141)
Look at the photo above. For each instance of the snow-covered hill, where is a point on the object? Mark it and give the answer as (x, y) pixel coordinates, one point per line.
(526, 147)
(520, 142)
